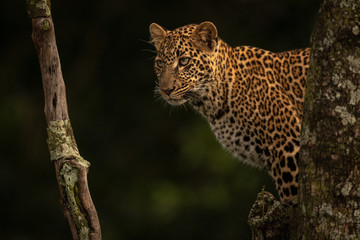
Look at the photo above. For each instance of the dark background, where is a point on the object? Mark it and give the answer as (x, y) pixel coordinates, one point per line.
(157, 171)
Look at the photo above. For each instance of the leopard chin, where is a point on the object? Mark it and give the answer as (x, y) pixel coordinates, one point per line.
(173, 101)
(176, 102)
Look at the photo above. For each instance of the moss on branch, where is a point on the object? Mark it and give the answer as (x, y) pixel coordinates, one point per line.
(61, 142)
(38, 8)
(69, 180)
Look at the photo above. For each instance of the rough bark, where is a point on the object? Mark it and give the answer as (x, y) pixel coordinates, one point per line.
(269, 219)
(328, 204)
(330, 140)
(71, 168)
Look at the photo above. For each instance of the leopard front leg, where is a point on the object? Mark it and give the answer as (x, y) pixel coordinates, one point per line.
(284, 170)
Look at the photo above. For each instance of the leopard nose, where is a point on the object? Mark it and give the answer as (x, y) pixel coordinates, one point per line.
(167, 91)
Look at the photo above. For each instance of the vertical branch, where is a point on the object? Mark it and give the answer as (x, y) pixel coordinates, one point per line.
(71, 168)
(43, 36)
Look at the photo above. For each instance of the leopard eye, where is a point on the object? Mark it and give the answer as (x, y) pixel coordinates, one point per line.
(159, 63)
(184, 61)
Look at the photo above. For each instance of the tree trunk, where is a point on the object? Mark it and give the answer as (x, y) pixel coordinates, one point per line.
(71, 168)
(328, 204)
(330, 140)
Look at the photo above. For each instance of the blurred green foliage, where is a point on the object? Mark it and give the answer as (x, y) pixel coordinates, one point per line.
(157, 172)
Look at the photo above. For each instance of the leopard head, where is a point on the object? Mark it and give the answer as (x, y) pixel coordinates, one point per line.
(185, 61)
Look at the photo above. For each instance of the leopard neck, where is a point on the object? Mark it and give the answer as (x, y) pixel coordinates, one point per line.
(213, 101)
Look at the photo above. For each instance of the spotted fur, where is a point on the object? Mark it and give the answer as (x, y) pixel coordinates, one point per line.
(252, 98)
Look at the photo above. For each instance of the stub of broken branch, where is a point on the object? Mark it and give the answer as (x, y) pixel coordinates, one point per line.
(269, 219)
(38, 8)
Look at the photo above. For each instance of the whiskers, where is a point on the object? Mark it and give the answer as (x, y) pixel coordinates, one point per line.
(157, 94)
(176, 108)
(200, 88)
(149, 50)
(152, 58)
(191, 95)
(194, 94)
(158, 98)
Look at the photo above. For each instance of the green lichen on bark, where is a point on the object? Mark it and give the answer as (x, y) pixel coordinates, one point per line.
(62, 146)
(61, 142)
(38, 8)
(69, 181)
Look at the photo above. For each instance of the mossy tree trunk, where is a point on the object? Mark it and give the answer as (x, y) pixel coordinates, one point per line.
(329, 167)
(71, 169)
(330, 140)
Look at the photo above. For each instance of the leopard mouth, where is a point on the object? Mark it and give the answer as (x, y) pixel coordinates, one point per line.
(189, 95)
(175, 101)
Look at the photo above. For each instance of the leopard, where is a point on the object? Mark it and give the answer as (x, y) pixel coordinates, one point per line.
(252, 98)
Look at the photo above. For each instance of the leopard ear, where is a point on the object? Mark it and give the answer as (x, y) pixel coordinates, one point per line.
(205, 36)
(157, 35)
